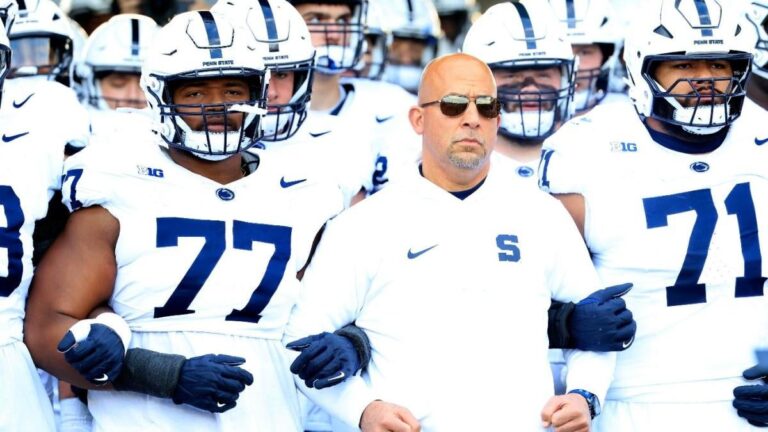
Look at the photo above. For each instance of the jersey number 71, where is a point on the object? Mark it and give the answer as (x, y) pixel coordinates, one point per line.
(687, 289)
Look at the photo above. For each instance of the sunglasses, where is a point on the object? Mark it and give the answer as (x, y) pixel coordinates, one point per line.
(453, 105)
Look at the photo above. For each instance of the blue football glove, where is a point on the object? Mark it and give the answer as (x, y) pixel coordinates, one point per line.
(751, 401)
(98, 357)
(326, 359)
(602, 322)
(212, 382)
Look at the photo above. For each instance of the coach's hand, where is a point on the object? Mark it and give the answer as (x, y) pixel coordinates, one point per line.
(602, 322)
(568, 412)
(212, 382)
(752, 400)
(380, 416)
(95, 348)
(326, 359)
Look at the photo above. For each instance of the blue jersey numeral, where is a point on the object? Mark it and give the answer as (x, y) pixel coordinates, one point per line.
(380, 173)
(169, 230)
(687, 289)
(10, 239)
(75, 174)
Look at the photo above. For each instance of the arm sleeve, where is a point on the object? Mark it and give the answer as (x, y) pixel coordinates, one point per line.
(332, 293)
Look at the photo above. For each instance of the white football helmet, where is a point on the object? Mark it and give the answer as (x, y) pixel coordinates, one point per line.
(196, 46)
(378, 39)
(685, 30)
(9, 10)
(591, 22)
(42, 43)
(344, 41)
(757, 14)
(520, 37)
(118, 45)
(411, 21)
(287, 47)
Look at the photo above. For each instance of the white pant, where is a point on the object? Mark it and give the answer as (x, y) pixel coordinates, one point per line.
(670, 417)
(24, 404)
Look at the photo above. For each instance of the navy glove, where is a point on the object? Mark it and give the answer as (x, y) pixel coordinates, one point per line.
(326, 359)
(752, 400)
(98, 357)
(602, 322)
(212, 382)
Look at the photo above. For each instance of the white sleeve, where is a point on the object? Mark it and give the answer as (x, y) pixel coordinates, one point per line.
(572, 278)
(561, 170)
(332, 294)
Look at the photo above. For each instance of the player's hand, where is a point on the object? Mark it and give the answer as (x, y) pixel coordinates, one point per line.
(567, 413)
(602, 322)
(94, 350)
(380, 416)
(326, 359)
(751, 401)
(212, 382)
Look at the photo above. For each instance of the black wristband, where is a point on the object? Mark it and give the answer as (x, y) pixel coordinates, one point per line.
(149, 372)
(359, 340)
(557, 330)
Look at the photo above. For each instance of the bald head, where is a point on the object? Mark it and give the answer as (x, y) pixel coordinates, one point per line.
(452, 68)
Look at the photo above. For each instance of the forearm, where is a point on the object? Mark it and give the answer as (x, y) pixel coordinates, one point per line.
(42, 335)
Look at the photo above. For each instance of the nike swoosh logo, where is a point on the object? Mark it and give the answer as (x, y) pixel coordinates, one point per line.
(319, 134)
(102, 378)
(220, 405)
(626, 344)
(760, 141)
(10, 138)
(21, 104)
(339, 377)
(412, 255)
(286, 184)
(382, 119)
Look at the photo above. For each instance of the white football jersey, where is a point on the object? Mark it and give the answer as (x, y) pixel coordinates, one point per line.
(333, 151)
(53, 106)
(378, 113)
(688, 230)
(524, 171)
(204, 268)
(444, 288)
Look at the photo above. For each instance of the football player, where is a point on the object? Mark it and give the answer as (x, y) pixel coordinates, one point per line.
(32, 161)
(193, 242)
(288, 131)
(376, 110)
(111, 66)
(757, 88)
(591, 27)
(669, 193)
(534, 69)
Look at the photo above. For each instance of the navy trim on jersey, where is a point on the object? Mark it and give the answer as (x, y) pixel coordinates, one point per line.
(704, 145)
(703, 10)
(462, 195)
(348, 88)
(134, 37)
(269, 19)
(213, 33)
(530, 37)
(571, 14)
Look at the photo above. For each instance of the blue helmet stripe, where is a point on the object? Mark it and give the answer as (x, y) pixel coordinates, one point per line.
(703, 10)
(571, 14)
(134, 37)
(22, 5)
(213, 33)
(269, 19)
(527, 26)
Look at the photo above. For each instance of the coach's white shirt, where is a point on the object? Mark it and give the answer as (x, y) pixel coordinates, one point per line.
(454, 296)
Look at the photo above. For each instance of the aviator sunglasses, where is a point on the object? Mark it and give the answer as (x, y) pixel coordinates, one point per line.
(453, 105)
